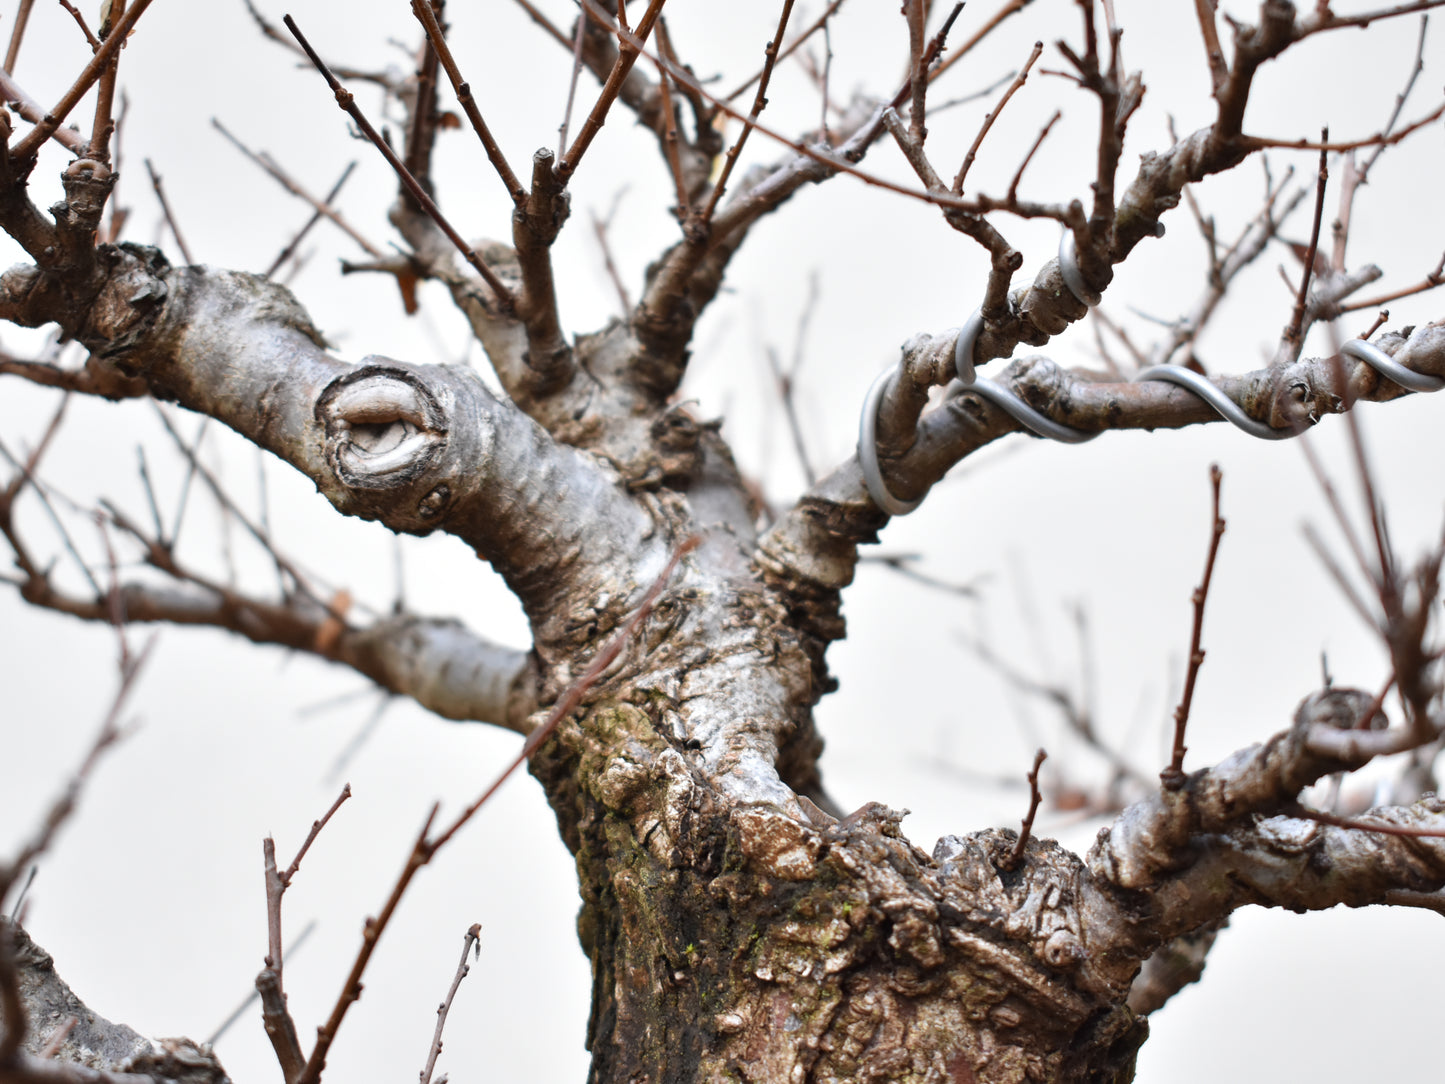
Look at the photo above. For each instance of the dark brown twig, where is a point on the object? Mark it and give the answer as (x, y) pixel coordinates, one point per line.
(103, 125)
(820, 23)
(1294, 333)
(469, 943)
(36, 137)
(1173, 776)
(468, 103)
(347, 102)
(1011, 7)
(421, 137)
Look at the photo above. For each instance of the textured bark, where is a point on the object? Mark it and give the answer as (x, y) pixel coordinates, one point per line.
(740, 927)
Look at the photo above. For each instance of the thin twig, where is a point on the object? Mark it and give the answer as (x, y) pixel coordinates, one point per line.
(468, 103)
(316, 216)
(103, 125)
(321, 207)
(600, 227)
(1295, 331)
(1382, 827)
(347, 102)
(166, 210)
(17, 32)
(760, 101)
(469, 943)
(820, 23)
(36, 137)
(1013, 188)
(579, 36)
(90, 38)
(1015, 859)
(1173, 776)
(990, 117)
(1011, 7)
(250, 999)
(1209, 30)
(280, 1028)
(1248, 144)
(57, 1038)
(628, 50)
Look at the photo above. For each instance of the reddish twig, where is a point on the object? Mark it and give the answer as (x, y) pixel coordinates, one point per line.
(347, 102)
(760, 101)
(57, 1038)
(17, 32)
(1173, 776)
(1015, 859)
(280, 1028)
(820, 23)
(993, 116)
(629, 48)
(36, 137)
(1384, 828)
(90, 38)
(469, 944)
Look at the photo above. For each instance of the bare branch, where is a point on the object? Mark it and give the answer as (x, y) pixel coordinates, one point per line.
(166, 210)
(36, 137)
(469, 943)
(1173, 776)
(347, 103)
(468, 103)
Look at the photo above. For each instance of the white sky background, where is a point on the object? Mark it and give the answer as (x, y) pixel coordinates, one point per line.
(152, 900)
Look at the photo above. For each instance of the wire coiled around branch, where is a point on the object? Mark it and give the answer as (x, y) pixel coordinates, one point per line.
(1044, 426)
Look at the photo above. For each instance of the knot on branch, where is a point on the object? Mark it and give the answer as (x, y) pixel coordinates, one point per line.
(383, 429)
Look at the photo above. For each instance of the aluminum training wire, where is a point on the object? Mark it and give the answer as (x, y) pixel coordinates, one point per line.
(1044, 426)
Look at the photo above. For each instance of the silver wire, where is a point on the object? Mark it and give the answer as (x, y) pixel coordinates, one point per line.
(868, 450)
(1044, 426)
